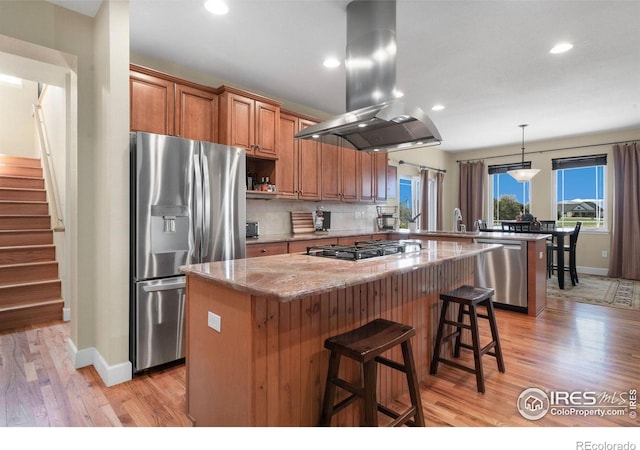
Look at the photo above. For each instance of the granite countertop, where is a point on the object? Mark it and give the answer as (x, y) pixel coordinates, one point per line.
(296, 275)
(309, 236)
(498, 235)
(334, 235)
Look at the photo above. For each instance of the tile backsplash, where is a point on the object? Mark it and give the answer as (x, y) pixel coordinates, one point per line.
(274, 215)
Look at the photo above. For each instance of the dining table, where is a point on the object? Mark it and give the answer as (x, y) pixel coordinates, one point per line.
(558, 234)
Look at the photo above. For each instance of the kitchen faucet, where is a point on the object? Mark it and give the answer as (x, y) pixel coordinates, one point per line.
(457, 216)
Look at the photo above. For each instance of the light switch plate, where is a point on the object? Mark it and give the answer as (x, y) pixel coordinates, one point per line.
(213, 321)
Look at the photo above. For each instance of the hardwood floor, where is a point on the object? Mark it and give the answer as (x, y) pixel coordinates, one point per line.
(569, 347)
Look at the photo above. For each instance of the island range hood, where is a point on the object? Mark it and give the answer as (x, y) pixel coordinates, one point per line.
(375, 118)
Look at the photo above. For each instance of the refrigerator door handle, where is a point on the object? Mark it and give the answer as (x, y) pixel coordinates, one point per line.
(164, 287)
(206, 208)
(197, 203)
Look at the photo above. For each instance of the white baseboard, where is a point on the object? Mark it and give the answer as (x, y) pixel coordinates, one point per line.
(66, 314)
(110, 375)
(593, 271)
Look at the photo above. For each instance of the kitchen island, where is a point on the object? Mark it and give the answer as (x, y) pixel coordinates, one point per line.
(534, 267)
(256, 327)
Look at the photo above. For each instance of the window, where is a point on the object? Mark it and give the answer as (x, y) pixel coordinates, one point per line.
(508, 197)
(409, 204)
(580, 191)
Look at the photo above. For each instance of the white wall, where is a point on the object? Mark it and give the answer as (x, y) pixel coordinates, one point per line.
(91, 61)
(17, 132)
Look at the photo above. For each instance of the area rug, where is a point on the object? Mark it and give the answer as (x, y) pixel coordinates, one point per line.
(597, 290)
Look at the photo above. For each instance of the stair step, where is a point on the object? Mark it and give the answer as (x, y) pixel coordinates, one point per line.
(21, 182)
(12, 238)
(28, 208)
(28, 272)
(29, 314)
(25, 222)
(27, 254)
(9, 169)
(15, 295)
(33, 195)
(20, 161)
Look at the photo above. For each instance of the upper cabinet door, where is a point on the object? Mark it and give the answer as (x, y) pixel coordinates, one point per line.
(331, 183)
(287, 164)
(250, 123)
(350, 175)
(151, 104)
(366, 190)
(381, 161)
(266, 132)
(237, 119)
(310, 166)
(196, 114)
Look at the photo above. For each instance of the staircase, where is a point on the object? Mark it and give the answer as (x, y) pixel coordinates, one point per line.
(30, 288)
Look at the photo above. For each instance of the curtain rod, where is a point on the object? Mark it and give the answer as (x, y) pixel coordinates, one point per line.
(421, 166)
(545, 151)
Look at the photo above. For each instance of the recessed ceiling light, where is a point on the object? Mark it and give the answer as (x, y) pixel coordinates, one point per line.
(437, 108)
(397, 93)
(217, 7)
(331, 63)
(561, 47)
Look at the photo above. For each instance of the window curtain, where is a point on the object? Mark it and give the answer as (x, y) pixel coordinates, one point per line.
(625, 245)
(440, 187)
(471, 192)
(424, 199)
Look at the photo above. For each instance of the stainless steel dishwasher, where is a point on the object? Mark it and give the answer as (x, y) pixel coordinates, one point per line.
(505, 270)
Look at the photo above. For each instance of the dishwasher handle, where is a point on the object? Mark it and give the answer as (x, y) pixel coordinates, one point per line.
(507, 245)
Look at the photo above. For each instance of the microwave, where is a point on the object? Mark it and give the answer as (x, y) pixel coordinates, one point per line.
(253, 229)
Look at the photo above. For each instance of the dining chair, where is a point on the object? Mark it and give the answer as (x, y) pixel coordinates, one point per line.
(547, 224)
(571, 249)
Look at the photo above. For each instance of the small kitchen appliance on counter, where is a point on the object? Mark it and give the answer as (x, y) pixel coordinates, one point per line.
(323, 220)
(253, 229)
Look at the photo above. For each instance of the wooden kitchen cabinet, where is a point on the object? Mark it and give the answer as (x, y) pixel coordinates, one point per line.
(299, 164)
(339, 172)
(196, 113)
(266, 249)
(331, 171)
(350, 176)
(151, 103)
(366, 189)
(380, 163)
(309, 166)
(250, 122)
(288, 153)
(163, 104)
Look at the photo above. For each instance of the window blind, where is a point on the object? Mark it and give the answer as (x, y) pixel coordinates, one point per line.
(579, 161)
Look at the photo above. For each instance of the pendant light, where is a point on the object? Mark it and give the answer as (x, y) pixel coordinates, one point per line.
(523, 174)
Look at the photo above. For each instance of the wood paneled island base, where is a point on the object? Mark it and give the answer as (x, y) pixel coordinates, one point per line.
(267, 365)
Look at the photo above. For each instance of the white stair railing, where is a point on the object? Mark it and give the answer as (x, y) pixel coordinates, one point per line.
(49, 172)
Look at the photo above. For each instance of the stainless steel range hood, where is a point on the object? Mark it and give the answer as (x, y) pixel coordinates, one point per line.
(375, 120)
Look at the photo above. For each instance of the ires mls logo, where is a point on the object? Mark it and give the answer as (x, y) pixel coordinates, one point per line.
(534, 403)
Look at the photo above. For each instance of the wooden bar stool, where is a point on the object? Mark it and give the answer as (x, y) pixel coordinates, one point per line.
(468, 298)
(365, 345)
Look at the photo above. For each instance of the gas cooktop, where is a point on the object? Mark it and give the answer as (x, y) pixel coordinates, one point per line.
(365, 249)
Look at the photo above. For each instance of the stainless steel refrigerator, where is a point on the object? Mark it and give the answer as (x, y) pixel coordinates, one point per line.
(187, 207)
